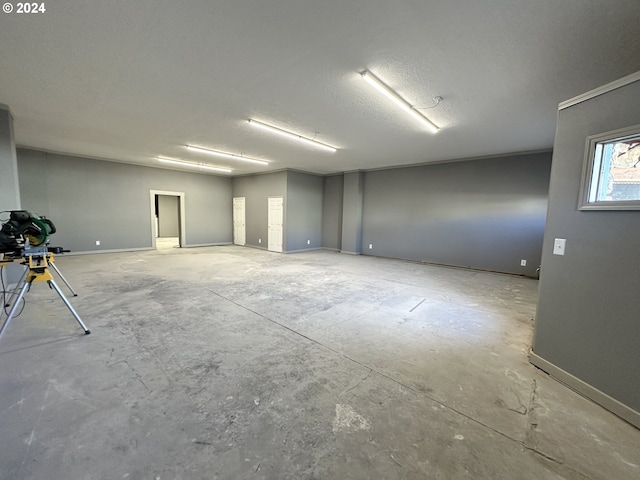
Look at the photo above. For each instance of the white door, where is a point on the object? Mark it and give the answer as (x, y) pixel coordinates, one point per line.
(275, 224)
(239, 228)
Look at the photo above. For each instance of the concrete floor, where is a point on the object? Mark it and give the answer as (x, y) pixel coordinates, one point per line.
(164, 243)
(236, 363)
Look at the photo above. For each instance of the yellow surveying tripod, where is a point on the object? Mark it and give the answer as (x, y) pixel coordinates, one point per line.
(37, 260)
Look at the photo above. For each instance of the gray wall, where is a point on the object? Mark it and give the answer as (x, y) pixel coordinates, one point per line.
(91, 200)
(487, 214)
(352, 196)
(257, 189)
(168, 216)
(588, 318)
(303, 212)
(332, 212)
(9, 185)
(302, 194)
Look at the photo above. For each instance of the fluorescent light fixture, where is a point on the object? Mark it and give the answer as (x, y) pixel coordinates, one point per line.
(201, 166)
(231, 156)
(291, 135)
(398, 100)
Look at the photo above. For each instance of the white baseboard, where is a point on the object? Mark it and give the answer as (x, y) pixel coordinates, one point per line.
(304, 250)
(116, 250)
(195, 245)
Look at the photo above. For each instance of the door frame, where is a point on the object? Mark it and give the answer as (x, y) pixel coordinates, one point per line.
(181, 221)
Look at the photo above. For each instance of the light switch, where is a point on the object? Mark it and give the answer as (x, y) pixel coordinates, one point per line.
(559, 245)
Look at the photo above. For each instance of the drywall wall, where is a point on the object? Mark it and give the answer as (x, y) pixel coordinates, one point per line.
(303, 212)
(302, 194)
(588, 317)
(92, 200)
(352, 198)
(9, 185)
(487, 213)
(332, 212)
(257, 189)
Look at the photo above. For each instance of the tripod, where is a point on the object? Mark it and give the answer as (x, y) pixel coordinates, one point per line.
(38, 264)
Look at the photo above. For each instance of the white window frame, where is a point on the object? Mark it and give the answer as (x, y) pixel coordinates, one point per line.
(591, 178)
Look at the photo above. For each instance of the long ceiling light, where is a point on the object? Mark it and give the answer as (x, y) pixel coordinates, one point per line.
(291, 135)
(201, 166)
(231, 156)
(398, 100)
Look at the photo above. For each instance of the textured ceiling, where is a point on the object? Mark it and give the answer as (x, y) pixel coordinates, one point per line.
(128, 81)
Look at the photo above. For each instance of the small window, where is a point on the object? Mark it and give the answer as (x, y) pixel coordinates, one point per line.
(611, 179)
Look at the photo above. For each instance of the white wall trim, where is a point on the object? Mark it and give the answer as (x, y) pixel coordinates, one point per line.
(583, 388)
(115, 250)
(198, 245)
(596, 92)
(310, 249)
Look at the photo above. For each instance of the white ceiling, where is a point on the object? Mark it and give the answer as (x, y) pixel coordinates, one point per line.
(130, 80)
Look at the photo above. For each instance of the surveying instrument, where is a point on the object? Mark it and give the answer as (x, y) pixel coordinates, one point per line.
(24, 240)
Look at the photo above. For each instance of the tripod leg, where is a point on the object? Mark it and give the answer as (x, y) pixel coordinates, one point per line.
(17, 289)
(66, 302)
(51, 264)
(23, 290)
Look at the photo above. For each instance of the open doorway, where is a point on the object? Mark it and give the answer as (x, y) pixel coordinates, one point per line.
(167, 212)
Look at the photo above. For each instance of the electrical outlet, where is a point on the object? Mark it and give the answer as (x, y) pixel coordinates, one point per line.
(559, 245)
(308, 242)
(370, 246)
(97, 242)
(259, 240)
(523, 263)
